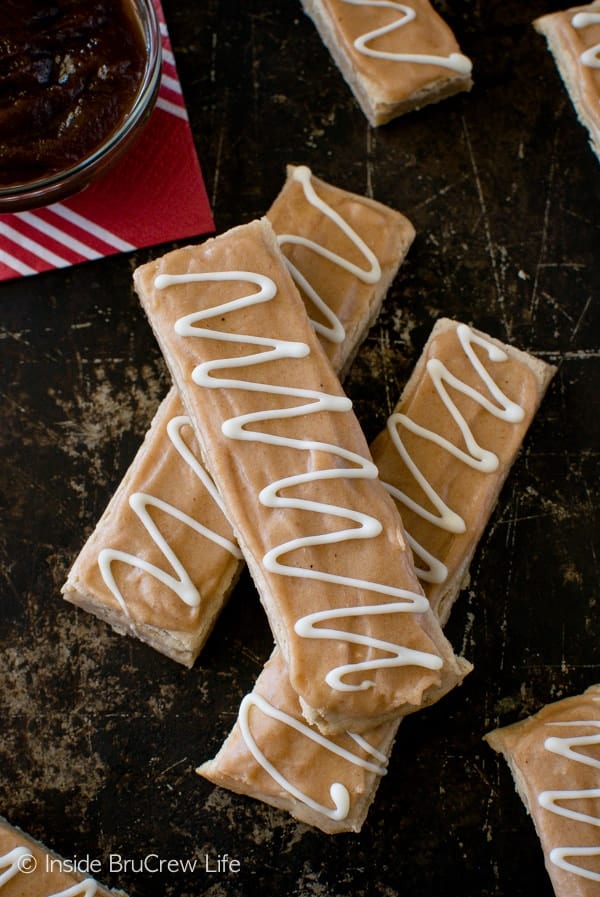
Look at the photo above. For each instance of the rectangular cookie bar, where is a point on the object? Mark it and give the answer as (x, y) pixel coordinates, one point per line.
(394, 57)
(28, 869)
(322, 539)
(163, 558)
(343, 252)
(554, 757)
(449, 445)
(270, 753)
(274, 756)
(573, 38)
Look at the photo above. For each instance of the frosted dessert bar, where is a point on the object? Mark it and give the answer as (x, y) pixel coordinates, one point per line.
(450, 443)
(343, 252)
(323, 540)
(394, 57)
(554, 757)
(28, 869)
(573, 38)
(163, 558)
(271, 754)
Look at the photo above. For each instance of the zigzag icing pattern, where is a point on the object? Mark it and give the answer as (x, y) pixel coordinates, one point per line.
(566, 747)
(591, 56)
(140, 502)
(338, 792)
(455, 61)
(181, 583)
(474, 455)
(364, 526)
(334, 332)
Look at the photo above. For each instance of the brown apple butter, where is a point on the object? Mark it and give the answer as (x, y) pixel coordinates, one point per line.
(69, 71)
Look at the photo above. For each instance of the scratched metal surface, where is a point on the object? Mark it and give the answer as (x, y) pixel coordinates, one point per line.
(99, 736)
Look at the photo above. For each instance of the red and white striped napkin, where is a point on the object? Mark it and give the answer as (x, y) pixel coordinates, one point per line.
(155, 194)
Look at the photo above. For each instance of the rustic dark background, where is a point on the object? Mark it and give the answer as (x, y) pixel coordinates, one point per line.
(99, 736)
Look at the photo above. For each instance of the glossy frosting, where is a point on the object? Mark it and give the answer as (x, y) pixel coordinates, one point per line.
(367, 43)
(562, 801)
(344, 465)
(591, 56)
(342, 251)
(333, 330)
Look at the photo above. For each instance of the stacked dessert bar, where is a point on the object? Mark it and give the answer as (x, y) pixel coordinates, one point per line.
(357, 556)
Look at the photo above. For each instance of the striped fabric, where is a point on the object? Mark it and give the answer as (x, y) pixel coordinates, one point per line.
(154, 194)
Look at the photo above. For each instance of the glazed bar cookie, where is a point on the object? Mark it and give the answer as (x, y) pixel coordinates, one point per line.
(454, 395)
(573, 38)
(28, 869)
(343, 252)
(449, 445)
(322, 538)
(554, 757)
(395, 57)
(274, 756)
(163, 558)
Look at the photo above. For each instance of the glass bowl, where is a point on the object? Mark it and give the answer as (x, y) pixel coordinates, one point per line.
(76, 176)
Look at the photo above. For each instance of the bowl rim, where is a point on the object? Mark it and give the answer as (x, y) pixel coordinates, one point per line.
(143, 104)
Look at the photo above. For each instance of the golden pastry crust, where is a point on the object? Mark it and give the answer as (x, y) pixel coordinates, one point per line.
(469, 491)
(554, 757)
(31, 870)
(316, 575)
(388, 87)
(123, 590)
(573, 38)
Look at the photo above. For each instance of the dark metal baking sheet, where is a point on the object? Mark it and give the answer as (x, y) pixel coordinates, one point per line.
(100, 736)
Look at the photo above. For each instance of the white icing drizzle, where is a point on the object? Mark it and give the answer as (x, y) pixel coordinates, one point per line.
(591, 56)
(311, 402)
(12, 863)
(455, 61)
(181, 583)
(335, 332)
(339, 793)
(475, 456)
(21, 860)
(549, 800)
(559, 855)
